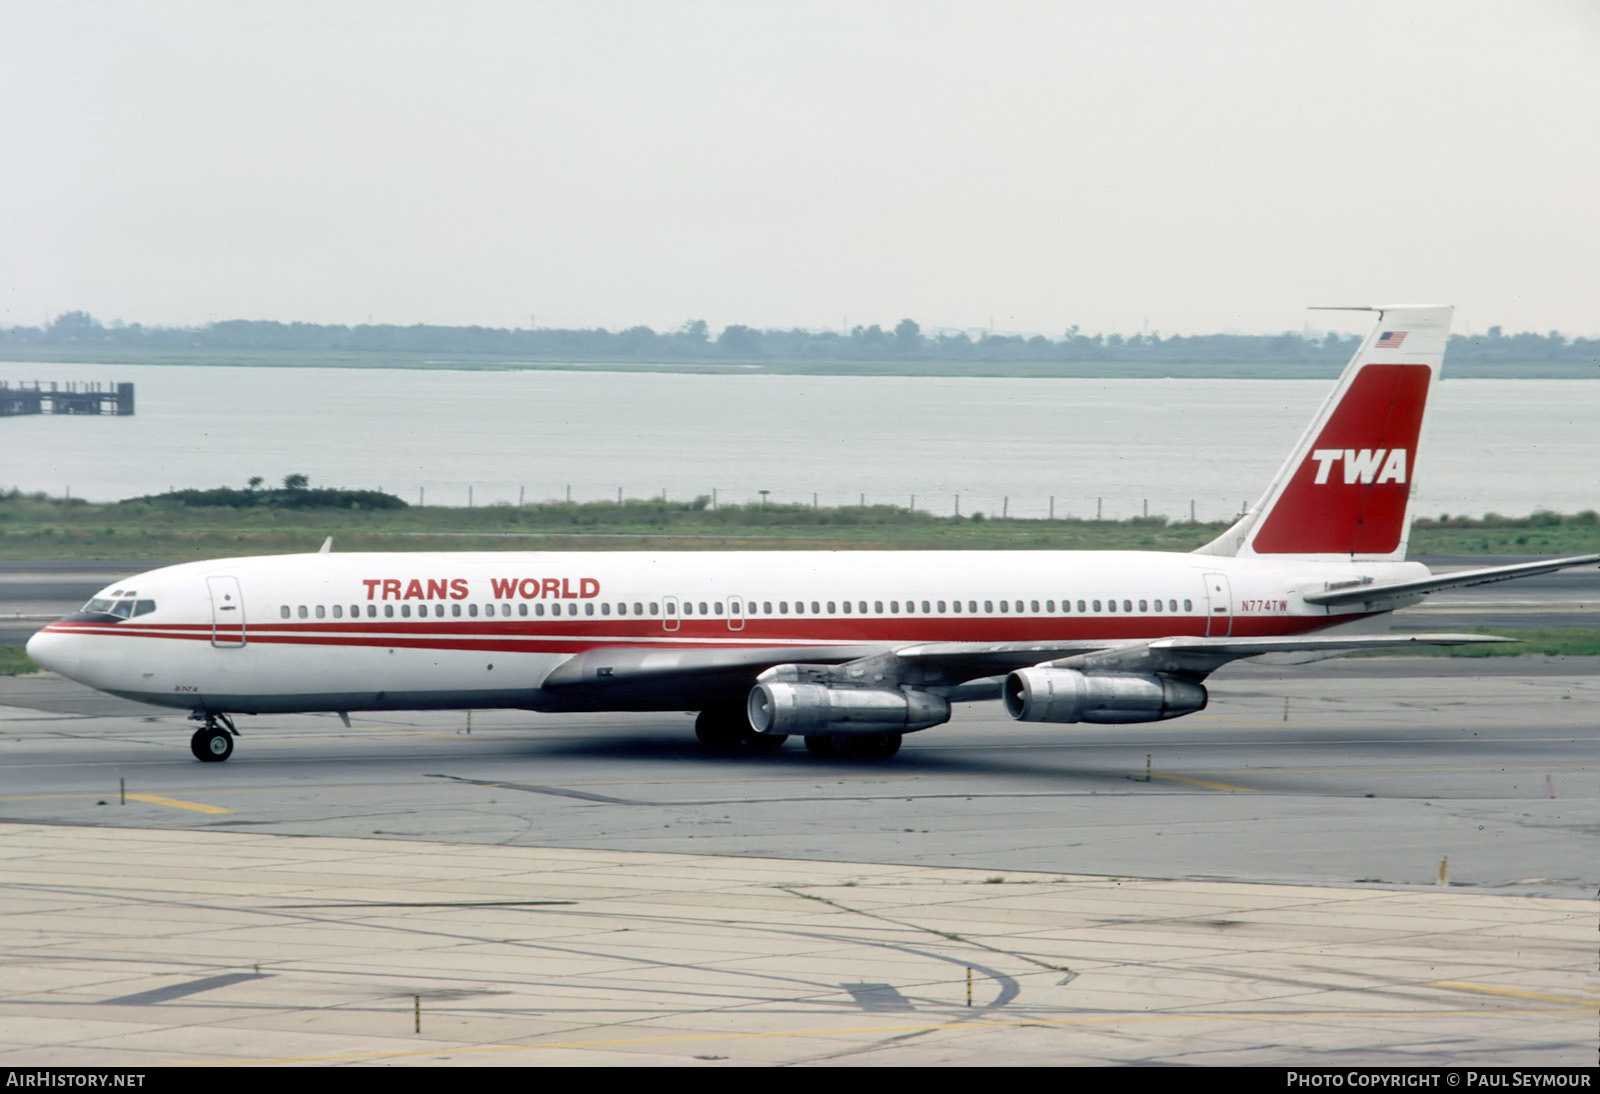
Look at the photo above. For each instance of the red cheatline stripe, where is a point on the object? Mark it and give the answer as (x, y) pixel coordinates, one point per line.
(579, 635)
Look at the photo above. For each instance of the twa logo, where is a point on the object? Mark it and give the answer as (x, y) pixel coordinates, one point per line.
(1361, 465)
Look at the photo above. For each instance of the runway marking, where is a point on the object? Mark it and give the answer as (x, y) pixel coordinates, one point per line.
(1202, 782)
(1518, 993)
(176, 803)
(931, 1027)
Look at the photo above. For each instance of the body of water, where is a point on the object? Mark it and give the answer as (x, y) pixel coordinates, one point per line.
(1507, 446)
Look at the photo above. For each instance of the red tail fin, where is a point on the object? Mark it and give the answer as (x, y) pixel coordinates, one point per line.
(1346, 489)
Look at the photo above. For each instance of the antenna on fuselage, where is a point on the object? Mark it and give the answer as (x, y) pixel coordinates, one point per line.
(327, 547)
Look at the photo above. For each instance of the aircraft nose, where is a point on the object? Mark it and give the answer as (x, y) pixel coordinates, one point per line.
(55, 651)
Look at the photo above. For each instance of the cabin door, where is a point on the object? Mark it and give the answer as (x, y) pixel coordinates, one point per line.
(1219, 597)
(227, 612)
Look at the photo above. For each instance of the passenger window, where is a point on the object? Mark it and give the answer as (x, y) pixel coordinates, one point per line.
(283, 612)
(538, 609)
(894, 607)
(799, 607)
(1034, 607)
(766, 607)
(372, 611)
(472, 610)
(877, 606)
(1188, 605)
(1111, 605)
(1127, 605)
(588, 609)
(911, 607)
(301, 611)
(522, 608)
(1096, 605)
(322, 612)
(988, 607)
(654, 607)
(1172, 605)
(1158, 605)
(572, 609)
(1142, 606)
(405, 611)
(972, 606)
(816, 609)
(388, 611)
(688, 607)
(338, 611)
(941, 606)
(1005, 606)
(703, 608)
(605, 609)
(1082, 608)
(638, 608)
(832, 608)
(1049, 606)
(438, 610)
(846, 607)
(955, 606)
(717, 607)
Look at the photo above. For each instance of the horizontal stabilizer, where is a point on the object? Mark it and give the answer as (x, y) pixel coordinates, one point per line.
(1369, 595)
(1251, 647)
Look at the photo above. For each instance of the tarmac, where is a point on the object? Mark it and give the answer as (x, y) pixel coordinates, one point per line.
(1384, 862)
(134, 948)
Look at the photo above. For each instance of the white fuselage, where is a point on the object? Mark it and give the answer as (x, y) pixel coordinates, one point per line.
(416, 631)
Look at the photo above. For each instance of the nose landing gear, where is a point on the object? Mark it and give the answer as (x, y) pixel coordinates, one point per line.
(212, 742)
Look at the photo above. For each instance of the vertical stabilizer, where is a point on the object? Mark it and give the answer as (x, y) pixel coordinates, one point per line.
(1346, 489)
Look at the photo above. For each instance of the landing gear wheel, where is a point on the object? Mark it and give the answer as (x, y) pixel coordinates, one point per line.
(764, 742)
(825, 746)
(211, 744)
(861, 746)
(876, 746)
(721, 730)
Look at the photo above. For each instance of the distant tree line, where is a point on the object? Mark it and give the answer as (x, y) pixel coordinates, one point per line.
(694, 341)
(297, 493)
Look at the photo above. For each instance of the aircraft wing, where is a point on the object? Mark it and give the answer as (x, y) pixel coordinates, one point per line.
(646, 678)
(1374, 596)
(629, 678)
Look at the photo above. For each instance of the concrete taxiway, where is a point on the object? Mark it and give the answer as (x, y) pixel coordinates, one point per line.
(1265, 873)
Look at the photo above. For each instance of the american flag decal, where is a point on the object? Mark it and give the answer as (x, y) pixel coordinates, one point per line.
(1391, 339)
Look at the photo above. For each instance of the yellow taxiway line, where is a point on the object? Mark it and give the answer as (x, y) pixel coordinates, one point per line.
(177, 803)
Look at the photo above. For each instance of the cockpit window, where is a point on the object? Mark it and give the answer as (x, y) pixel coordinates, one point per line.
(122, 607)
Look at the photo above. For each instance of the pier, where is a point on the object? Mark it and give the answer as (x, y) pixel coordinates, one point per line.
(55, 397)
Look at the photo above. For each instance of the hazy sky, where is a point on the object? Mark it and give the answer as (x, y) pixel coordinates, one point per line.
(1197, 166)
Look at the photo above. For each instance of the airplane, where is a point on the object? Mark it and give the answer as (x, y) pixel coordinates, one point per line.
(850, 650)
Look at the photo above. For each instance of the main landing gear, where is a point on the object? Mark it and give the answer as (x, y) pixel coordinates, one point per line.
(212, 742)
(859, 746)
(726, 729)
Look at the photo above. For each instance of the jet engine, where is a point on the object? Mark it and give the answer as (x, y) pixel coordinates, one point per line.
(1043, 694)
(814, 709)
